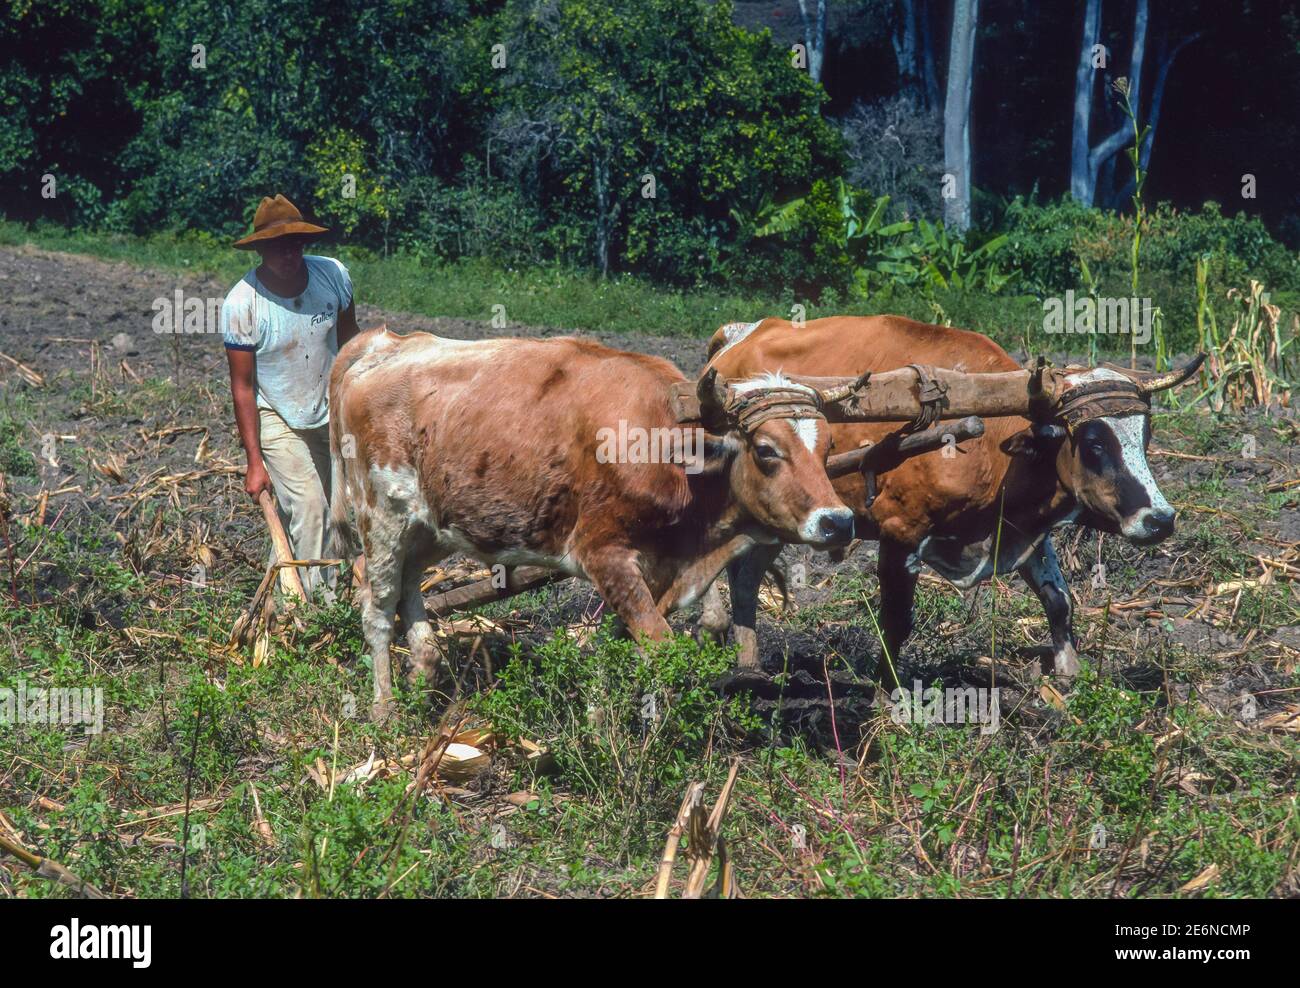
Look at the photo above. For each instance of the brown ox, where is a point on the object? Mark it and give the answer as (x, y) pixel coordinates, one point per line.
(944, 510)
(509, 451)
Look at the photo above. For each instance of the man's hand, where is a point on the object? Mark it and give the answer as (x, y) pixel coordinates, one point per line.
(243, 389)
(256, 480)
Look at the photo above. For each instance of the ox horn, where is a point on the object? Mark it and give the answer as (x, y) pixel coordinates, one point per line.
(1150, 383)
(1173, 378)
(712, 392)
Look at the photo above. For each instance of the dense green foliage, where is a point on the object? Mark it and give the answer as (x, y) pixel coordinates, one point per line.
(655, 138)
(516, 131)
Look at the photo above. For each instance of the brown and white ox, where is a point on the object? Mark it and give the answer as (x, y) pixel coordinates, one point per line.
(944, 510)
(505, 450)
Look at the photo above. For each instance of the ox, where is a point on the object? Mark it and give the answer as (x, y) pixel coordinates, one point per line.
(1001, 494)
(491, 447)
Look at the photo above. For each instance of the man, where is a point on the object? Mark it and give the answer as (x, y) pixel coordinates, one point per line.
(282, 325)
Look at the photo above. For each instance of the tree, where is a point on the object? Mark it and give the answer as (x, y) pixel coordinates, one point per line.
(956, 116)
(913, 40)
(814, 37)
(1092, 167)
(1087, 161)
(68, 71)
(641, 127)
(904, 40)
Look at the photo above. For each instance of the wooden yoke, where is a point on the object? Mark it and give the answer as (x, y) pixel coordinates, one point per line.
(895, 395)
(908, 394)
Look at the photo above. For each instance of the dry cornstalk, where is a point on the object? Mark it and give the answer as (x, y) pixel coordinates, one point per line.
(694, 793)
(26, 373)
(248, 623)
(51, 870)
(706, 843)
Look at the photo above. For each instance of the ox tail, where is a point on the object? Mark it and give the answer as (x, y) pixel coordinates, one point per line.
(343, 542)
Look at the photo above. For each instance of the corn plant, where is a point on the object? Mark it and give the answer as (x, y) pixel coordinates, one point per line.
(1252, 363)
(1091, 284)
(1140, 174)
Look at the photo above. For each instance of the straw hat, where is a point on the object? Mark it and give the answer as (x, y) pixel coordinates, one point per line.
(276, 218)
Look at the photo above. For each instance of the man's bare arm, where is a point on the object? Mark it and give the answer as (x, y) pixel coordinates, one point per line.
(243, 388)
(347, 325)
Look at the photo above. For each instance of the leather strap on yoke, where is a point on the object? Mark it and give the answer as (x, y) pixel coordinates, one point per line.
(1101, 398)
(750, 409)
(932, 394)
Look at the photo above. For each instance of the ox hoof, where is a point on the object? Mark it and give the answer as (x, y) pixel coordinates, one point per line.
(1064, 665)
(382, 710)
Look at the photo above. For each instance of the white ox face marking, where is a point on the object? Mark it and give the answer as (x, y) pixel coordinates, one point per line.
(1115, 481)
(807, 430)
(1131, 433)
(768, 379)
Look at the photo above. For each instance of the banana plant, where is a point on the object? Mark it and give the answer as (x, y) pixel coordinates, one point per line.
(949, 263)
(783, 219)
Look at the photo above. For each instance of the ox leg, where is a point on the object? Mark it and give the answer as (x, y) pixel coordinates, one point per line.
(714, 620)
(616, 573)
(380, 593)
(745, 575)
(1042, 571)
(420, 639)
(897, 596)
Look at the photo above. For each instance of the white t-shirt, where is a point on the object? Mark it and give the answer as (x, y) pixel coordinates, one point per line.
(295, 339)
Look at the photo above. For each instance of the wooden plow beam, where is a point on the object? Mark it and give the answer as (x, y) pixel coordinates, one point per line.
(518, 579)
(896, 447)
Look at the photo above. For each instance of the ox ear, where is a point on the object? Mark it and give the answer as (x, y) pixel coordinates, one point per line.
(1034, 441)
(719, 452)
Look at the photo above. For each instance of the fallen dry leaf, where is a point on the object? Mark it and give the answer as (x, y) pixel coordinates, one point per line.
(1051, 695)
(1283, 720)
(1202, 880)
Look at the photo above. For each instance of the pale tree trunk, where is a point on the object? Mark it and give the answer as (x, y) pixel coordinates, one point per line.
(1083, 87)
(606, 209)
(1083, 173)
(956, 115)
(904, 40)
(814, 37)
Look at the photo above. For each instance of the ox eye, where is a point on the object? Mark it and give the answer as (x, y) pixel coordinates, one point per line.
(766, 451)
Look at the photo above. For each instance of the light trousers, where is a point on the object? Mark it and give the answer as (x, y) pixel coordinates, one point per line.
(298, 461)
